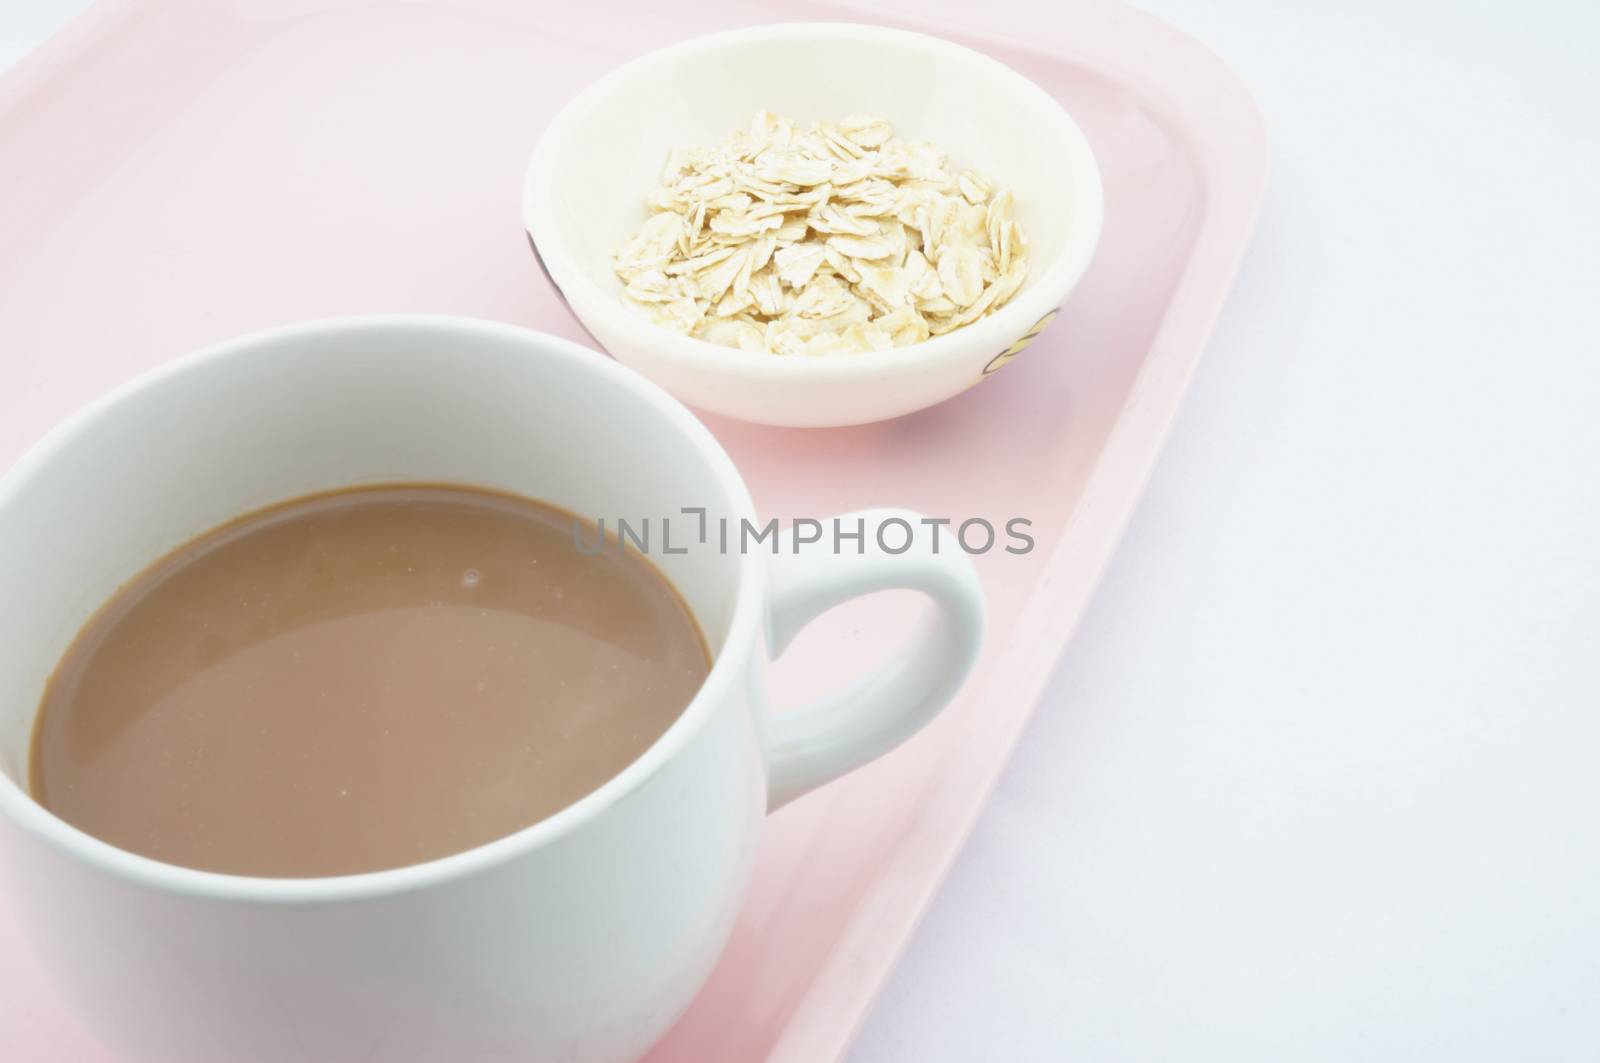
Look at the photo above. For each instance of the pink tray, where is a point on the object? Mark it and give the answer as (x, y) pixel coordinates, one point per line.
(182, 170)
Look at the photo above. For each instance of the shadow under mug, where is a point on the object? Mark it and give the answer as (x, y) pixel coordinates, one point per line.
(580, 938)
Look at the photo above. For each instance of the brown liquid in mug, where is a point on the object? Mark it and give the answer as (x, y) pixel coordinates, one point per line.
(361, 680)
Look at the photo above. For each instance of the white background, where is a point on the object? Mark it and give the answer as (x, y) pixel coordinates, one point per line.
(1319, 778)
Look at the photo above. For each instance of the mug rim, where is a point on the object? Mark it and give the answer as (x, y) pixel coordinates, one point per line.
(39, 822)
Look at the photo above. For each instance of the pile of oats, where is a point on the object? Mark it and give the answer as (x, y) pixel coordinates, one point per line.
(838, 239)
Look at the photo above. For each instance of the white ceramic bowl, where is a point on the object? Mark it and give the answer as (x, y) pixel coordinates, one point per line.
(584, 195)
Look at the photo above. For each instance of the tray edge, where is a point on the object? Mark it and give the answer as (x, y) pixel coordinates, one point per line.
(1235, 176)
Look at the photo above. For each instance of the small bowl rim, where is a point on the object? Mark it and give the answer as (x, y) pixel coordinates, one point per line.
(988, 335)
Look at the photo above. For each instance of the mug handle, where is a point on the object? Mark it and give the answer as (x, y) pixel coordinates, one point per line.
(816, 743)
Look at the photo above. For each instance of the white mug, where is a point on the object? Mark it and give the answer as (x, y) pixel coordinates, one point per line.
(578, 939)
